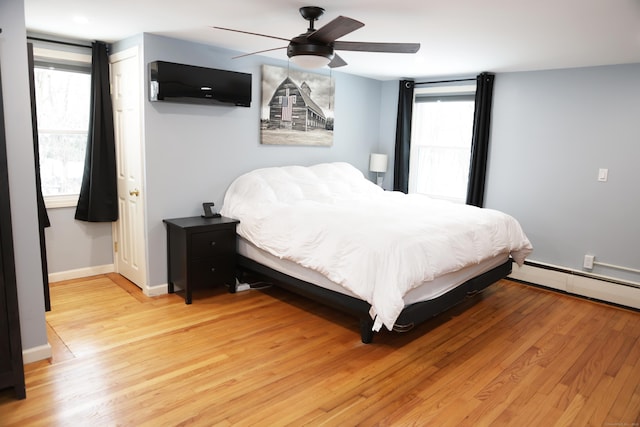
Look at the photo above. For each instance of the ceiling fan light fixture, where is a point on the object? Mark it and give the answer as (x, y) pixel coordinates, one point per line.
(310, 55)
(310, 61)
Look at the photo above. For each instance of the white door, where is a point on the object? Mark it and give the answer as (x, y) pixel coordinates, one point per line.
(129, 230)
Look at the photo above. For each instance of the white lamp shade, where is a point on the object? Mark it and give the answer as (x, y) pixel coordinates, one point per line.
(378, 162)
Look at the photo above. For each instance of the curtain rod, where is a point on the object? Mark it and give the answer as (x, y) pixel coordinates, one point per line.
(444, 81)
(58, 42)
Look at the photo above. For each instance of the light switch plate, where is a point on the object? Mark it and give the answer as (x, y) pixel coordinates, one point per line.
(603, 174)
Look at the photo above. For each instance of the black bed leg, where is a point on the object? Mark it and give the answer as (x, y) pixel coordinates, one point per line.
(366, 330)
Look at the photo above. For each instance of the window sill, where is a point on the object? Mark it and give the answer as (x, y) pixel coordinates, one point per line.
(65, 201)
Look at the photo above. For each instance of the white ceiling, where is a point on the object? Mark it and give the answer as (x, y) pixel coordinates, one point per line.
(458, 37)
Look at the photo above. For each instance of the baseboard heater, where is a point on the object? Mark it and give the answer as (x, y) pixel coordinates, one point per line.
(608, 290)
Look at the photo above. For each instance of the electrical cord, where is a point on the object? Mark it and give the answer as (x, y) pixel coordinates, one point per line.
(240, 287)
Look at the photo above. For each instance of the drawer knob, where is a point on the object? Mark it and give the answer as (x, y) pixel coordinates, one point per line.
(213, 243)
(213, 269)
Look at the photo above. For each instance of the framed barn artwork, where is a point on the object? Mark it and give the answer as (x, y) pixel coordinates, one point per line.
(296, 107)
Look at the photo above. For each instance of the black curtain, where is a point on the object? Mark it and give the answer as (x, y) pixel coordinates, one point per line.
(480, 139)
(403, 137)
(43, 216)
(98, 201)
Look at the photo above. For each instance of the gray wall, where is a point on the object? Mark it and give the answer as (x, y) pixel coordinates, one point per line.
(21, 169)
(73, 244)
(388, 118)
(551, 132)
(193, 152)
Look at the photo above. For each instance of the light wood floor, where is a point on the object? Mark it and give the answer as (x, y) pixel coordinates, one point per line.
(520, 356)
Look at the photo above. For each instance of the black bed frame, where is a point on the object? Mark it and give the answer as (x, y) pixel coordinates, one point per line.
(413, 314)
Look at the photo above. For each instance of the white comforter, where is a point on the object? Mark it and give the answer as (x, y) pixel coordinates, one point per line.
(378, 244)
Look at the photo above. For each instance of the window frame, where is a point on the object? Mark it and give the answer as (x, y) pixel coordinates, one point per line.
(64, 58)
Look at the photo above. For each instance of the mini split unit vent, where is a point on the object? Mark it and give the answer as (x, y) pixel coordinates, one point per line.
(198, 85)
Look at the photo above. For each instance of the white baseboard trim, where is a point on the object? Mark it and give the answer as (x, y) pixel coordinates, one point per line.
(36, 354)
(154, 291)
(150, 291)
(590, 287)
(81, 272)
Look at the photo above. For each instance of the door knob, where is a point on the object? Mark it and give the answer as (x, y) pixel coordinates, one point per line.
(135, 192)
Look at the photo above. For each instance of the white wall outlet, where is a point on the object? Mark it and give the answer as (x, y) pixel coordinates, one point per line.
(603, 174)
(588, 261)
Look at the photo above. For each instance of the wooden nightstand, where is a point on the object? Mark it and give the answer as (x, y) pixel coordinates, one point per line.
(201, 253)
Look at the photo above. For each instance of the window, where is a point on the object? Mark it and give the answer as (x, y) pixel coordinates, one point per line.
(441, 134)
(63, 91)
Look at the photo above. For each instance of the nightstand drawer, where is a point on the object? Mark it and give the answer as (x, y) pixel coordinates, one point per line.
(212, 243)
(206, 272)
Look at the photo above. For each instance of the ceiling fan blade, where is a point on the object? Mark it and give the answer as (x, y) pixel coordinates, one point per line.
(260, 51)
(249, 32)
(335, 29)
(377, 47)
(337, 61)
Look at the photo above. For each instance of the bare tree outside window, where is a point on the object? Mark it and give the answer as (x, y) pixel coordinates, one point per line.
(62, 103)
(441, 148)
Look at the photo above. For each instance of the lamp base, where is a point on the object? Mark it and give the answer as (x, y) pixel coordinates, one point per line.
(379, 180)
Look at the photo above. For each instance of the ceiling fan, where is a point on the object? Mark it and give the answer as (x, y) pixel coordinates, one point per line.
(315, 48)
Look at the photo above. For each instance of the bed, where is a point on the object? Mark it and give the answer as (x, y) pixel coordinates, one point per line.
(392, 259)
